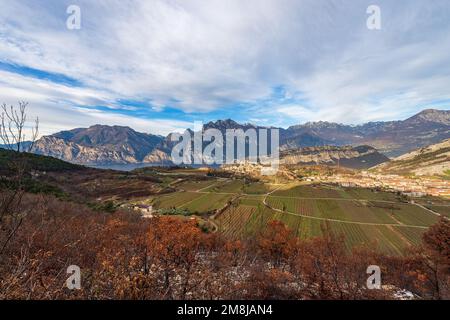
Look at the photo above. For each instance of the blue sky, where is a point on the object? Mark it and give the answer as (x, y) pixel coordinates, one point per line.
(157, 66)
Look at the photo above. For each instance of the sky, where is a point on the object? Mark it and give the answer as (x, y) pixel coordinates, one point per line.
(158, 66)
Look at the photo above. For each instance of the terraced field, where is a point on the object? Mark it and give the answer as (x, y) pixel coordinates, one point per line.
(389, 239)
(195, 185)
(311, 191)
(207, 203)
(195, 202)
(234, 222)
(258, 188)
(355, 211)
(174, 200)
(228, 186)
(329, 191)
(364, 216)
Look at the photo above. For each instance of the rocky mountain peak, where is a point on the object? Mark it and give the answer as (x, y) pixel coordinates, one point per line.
(432, 115)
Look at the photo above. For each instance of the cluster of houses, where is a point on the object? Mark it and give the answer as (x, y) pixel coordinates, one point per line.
(415, 187)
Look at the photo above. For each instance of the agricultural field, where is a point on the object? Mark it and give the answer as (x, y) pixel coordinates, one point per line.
(195, 202)
(355, 211)
(364, 216)
(207, 202)
(311, 191)
(334, 192)
(174, 200)
(195, 185)
(246, 221)
(258, 188)
(441, 209)
(227, 186)
(234, 221)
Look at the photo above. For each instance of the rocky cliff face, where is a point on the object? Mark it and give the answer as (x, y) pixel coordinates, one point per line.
(360, 157)
(430, 160)
(391, 138)
(75, 153)
(120, 145)
(98, 145)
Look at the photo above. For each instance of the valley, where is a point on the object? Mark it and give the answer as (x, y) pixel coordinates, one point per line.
(109, 199)
(240, 208)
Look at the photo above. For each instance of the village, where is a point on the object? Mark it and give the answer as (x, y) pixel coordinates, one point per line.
(415, 186)
(410, 186)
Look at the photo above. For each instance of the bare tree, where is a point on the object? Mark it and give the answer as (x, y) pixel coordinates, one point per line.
(12, 128)
(12, 134)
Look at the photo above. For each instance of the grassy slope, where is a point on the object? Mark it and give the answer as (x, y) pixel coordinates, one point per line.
(34, 162)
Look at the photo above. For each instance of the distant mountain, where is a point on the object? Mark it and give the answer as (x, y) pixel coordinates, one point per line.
(432, 116)
(431, 160)
(223, 125)
(289, 140)
(101, 144)
(361, 157)
(392, 138)
(24, 146)
(98, 144)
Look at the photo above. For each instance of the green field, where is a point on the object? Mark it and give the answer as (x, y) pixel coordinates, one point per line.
(258, 188)
(237, 223)
(333, 192)
(363, 216)
(195, 185)
(441, 209)
(175, 200)
(195, 202)
(355, 211)
(207, 202)
(228, 186)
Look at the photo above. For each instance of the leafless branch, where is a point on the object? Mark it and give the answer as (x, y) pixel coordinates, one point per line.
(12, 126)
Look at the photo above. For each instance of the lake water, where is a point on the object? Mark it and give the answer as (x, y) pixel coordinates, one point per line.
(132, 166)
(123, 167)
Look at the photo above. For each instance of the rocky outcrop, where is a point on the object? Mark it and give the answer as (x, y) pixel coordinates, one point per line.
(360, 157)
(430, 160)
(98, 145)
(101, 144)
(392, 138)
(76, 153)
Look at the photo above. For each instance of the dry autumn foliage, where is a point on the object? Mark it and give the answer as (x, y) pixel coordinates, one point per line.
(123, 256)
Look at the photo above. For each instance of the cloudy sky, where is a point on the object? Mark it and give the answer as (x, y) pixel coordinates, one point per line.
(159, 65)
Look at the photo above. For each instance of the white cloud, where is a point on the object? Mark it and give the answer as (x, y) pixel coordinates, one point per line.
(209, 54)
(57, 107)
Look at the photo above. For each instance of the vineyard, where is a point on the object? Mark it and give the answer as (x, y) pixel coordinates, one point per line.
(194, 202)
(441, 209)
(364, 216)
(328, 191)
(174, 200)
(228, 186)
(247, 221)
(195, 185)
(207, 203)
(258, 188)
(355, 211)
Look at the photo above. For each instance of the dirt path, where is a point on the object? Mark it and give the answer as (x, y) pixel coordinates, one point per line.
(400, 235)
(429, 210)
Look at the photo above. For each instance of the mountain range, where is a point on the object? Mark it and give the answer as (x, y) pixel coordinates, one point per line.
(102, 145)
(430, 160)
